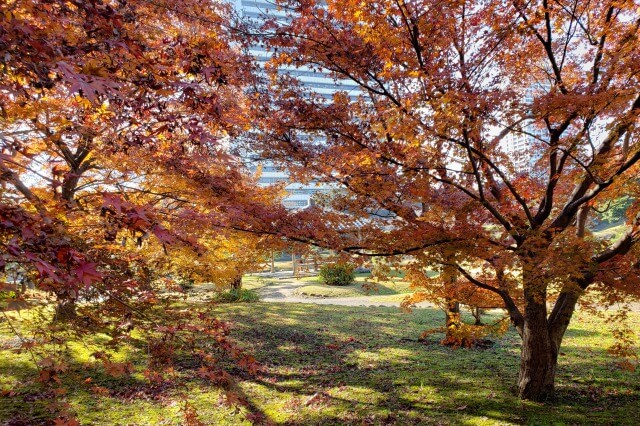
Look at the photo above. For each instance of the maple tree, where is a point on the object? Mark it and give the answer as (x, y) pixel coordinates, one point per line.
(448, 290)
(116, 178)
(128, 120)
(442, 88)
(114, 118)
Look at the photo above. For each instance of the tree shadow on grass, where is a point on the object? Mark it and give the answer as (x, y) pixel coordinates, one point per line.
(24, 401)
(343, 365)
(336, 373)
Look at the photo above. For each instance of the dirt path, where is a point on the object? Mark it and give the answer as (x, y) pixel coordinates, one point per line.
(284, 288)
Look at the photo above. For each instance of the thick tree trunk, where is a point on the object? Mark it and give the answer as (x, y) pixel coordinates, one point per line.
(561, 315)
(537, 365)
(69, 186)
(539, 355)
(453, 315)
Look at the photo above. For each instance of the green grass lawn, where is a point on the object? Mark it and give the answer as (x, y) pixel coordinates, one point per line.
(254, 282)
(347, 365)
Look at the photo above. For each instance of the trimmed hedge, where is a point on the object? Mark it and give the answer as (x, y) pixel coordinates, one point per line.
(337, 274)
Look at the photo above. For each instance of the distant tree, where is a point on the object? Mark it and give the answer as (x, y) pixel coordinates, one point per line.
(442, 87)
(614, 211)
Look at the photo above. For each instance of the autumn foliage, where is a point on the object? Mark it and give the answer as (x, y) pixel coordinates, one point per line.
(420, 147)
(120, 122)
(116, 180)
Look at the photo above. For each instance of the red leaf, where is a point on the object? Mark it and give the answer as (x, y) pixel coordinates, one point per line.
(87, 273)
(112, 201)
(91, 86)
(45, 269)
(162, 234)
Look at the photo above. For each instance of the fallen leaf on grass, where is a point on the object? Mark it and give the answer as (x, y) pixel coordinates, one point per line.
(316, 398)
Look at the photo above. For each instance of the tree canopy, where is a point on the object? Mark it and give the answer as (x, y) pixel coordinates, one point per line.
(443, 87)
(115, 171)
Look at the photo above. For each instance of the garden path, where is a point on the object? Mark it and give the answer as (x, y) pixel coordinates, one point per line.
(284, 287)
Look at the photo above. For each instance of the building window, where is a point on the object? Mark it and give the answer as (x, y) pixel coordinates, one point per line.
(273, 179)
(295, 203)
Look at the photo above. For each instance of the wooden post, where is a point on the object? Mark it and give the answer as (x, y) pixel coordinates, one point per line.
(294, 263)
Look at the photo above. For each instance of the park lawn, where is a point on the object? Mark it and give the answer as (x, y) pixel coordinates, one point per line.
(612, 233)
(363, 285)
(254, 282)
(323, 290)
(350, 365)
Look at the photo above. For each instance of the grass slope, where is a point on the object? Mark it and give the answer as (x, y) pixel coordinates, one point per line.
(347, 365)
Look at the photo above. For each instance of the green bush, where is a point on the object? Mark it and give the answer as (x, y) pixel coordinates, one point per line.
(186, 284)
(337, 274)
(237, 295)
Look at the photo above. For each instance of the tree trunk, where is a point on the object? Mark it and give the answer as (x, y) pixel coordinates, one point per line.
(539, 355)
(236, 284)
(477, 315)
(452, 323)
(581, 220)
(560, 317)
(294, 264)
(65, 310)
(453, 314)
(542, 336)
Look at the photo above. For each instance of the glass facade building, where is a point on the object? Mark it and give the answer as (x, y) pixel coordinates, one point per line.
(299, 195)
(524, 146)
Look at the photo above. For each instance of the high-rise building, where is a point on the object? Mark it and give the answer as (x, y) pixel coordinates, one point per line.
(299, 195)
(525, 145)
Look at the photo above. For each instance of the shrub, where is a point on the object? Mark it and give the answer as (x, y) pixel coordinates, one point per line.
(237, 295)
(186, 284)
(337, 274)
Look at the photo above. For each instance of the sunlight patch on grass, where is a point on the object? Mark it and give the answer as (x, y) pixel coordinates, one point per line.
(329, 291)
(363, 286)
(339, 365)
(357, 394)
